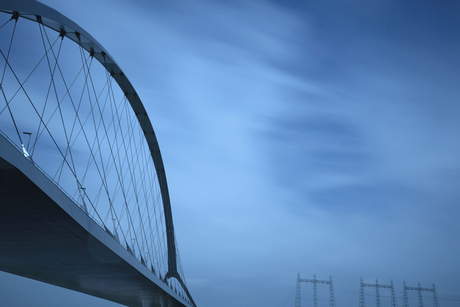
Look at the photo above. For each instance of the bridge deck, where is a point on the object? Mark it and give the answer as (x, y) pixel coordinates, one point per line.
(45, 236)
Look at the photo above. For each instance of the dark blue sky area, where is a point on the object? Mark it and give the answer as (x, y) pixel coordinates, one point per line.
(298, 136)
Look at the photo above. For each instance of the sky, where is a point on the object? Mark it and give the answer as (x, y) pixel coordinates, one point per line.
(311, 137)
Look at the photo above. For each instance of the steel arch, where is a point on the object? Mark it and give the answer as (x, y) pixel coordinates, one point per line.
(38, 12)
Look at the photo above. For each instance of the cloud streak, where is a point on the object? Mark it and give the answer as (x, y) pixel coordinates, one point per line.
(313, 138)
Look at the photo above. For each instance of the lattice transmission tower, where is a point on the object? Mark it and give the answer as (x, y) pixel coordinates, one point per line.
(377, 293)
(314, 281)
(420, 298)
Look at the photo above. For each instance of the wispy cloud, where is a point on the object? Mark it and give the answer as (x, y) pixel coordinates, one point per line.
(318, 137)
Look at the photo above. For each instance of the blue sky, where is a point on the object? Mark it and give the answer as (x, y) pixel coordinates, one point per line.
(297, 136)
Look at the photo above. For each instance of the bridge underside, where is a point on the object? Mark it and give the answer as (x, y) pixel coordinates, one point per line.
(59, 244)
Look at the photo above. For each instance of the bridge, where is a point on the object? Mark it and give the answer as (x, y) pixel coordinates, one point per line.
(84, 201)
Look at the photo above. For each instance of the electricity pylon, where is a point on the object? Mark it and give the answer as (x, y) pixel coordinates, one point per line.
(420, 298)
(315, 281)
(377, 293)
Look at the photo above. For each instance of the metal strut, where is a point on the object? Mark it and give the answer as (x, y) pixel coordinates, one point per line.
(297, 291)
